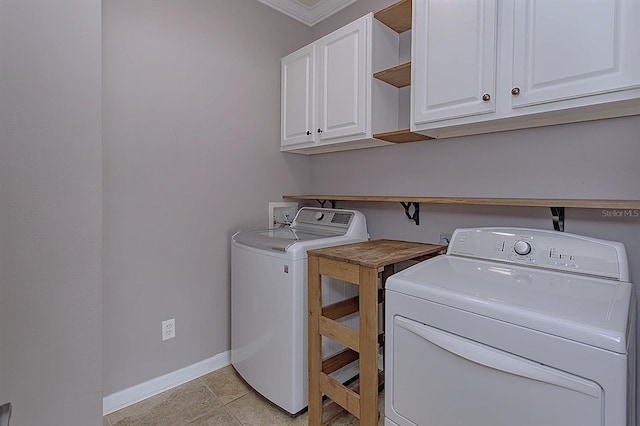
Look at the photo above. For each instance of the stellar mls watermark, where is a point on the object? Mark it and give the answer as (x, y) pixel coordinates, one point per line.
(621, 213)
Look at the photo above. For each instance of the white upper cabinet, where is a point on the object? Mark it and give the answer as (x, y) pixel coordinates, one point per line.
(329, 99)
(298, 87)
(572, 48)
(342, 82)
(485, 65)
(454, 55)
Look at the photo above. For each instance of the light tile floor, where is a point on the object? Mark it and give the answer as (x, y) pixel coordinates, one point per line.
(218, 398)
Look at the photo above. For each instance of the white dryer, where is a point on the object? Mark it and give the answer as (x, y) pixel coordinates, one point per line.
(269, 313)
(512, 327)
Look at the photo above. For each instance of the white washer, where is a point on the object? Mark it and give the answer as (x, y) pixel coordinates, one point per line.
(512, 327)
(269, 301)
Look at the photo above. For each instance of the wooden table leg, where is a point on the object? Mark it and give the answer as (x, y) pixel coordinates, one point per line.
(315, 342)
(368, 346)
(386, 273)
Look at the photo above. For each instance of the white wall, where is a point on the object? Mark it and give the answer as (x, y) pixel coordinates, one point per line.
(50, 213)
(191, 155)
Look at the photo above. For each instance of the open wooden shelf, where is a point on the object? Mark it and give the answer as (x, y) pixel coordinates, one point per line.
(397, 16)
(401, 136)
(518, 202)
(557, 205)
(398, 76)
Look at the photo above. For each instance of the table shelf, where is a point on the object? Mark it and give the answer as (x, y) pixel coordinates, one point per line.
(359, 264)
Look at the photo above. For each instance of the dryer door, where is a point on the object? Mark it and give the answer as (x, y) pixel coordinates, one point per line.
(443, 379)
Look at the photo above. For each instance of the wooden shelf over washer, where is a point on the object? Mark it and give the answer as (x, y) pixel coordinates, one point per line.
(397, 16)
(557, 205)
(518, 202)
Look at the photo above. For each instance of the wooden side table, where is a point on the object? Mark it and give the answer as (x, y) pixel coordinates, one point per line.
(359, 264)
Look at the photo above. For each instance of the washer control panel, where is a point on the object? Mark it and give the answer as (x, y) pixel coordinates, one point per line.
(334, 218)
(545, 249)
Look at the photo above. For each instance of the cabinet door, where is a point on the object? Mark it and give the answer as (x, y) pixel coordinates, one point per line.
(453, 59)
(342, 85)
(298, 92)
(572, 48)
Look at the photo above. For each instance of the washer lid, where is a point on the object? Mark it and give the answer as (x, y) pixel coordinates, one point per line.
(280, 239)
(593, 311)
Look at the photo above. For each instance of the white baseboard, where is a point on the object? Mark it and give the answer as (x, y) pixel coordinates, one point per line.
(137, 393)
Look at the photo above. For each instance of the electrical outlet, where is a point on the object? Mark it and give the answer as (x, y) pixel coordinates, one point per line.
(445, 238)
(168, 329)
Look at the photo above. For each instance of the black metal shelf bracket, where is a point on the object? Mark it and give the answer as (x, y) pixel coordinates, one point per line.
(415, 216)
(323, 202)
(558, 218)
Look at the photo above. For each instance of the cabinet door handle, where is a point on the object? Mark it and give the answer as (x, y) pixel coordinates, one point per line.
(319, 130)
(308, 132)
(515, 91)
(486, 97)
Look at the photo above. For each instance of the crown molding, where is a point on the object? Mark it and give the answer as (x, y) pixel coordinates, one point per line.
(305, 14)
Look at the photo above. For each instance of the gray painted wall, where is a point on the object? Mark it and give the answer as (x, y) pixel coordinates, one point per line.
(191, 155)
(50, 213)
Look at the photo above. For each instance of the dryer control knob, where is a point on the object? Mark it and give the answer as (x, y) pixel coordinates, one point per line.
(319, 216)
(522, 248)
